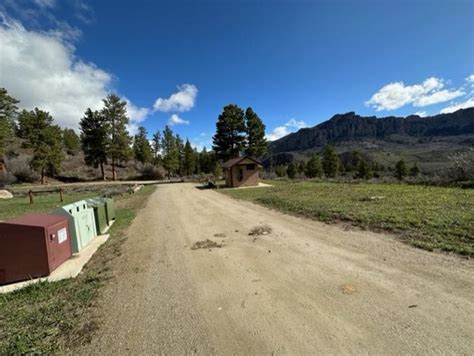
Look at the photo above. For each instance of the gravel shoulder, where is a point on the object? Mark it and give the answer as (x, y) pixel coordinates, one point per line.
(306, 287)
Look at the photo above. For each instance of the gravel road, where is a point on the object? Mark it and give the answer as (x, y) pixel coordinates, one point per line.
(304, 288)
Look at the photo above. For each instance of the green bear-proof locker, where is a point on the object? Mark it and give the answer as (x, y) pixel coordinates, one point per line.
(81, 223)
(109, 209)
(100, 215)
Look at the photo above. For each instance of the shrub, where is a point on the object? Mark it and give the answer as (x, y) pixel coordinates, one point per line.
(148, 171)
(20, 168)
(462, 165)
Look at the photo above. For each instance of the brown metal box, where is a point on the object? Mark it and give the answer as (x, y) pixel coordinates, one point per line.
(33, 246)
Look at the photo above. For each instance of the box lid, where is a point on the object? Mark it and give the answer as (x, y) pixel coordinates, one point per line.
(37, 219)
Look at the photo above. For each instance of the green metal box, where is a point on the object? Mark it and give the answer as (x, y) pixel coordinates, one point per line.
(81, 223)
(100, 215)
(109, 209)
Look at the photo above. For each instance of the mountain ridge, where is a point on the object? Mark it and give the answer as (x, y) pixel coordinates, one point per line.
(351, 127)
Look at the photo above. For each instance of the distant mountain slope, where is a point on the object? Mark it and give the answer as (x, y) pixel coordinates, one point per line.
(349, 127)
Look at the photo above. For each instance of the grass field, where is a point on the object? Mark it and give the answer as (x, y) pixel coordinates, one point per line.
(50, 318)
(42, 204)
(433, 218)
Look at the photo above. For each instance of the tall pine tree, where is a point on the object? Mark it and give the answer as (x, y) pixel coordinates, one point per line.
(156, 146)
(8, 113)
(331, 161)
(95, 139)
(255, 129)
(115, 113)
(141, 146)
(170, 151)
(180, 149)
(71, 141)
(229, 139)
(37, 128)
(189, 162)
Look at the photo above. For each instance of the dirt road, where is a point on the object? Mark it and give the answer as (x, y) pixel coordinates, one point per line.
(305, 288)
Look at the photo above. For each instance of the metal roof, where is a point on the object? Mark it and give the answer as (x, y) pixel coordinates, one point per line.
(234, 161)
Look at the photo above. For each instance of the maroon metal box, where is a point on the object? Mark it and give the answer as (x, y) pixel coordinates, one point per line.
(33, 246)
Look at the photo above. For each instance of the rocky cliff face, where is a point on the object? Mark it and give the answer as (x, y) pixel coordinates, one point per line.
(351, 127)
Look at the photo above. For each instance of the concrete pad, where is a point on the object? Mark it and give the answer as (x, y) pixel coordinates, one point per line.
(69, 269)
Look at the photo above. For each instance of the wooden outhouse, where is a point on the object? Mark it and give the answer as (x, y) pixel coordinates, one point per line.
(241, 172)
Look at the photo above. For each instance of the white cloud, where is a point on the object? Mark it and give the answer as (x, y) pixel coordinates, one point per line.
(176, 120)
(438, 97)
(41, 70)
(470, 79)
(421, 113)
(135, 113)
(469, 103)
(181, 101)
(280, 131)
(395, 95)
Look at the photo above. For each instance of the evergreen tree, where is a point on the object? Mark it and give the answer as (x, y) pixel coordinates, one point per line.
(280, 171)
(301, 167)
(71, 141)
(400, 170)
(156, 146)
(189, 162)
(8, 113)
(229, 139)
(115, 113)
(354, 161)
(141, 146)
(415, 170)
(255, 129)
(291, 170)
(95, 139)
(330, 161)
(37, 128)
(204, 162)
(180, 149)
(170, 151)
(197, 162)
(364, 171)
(314, 167)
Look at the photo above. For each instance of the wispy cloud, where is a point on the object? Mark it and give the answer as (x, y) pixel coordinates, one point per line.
(289, 127)
(396, 95)
(181, 101)
(45, 3)
(176, 120)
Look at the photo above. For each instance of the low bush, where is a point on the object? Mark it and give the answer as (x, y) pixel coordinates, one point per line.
(20, 168)
(150, 172)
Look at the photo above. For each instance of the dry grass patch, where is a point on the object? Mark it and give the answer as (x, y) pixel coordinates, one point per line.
(206, 244)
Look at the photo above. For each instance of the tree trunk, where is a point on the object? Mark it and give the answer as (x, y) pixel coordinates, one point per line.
(114, 173)
(43, 177)
(102, 170)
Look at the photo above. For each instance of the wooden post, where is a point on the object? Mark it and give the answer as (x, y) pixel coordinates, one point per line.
(30, 193)
(61, 195)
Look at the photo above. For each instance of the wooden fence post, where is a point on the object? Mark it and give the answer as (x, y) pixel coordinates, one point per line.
(61, 199)
(30, 193)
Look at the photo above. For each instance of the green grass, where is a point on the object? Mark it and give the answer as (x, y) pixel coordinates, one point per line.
(42, 204)
(433, 218)
(47, 318)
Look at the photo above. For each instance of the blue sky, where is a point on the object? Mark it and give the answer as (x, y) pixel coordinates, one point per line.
(296, 63)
